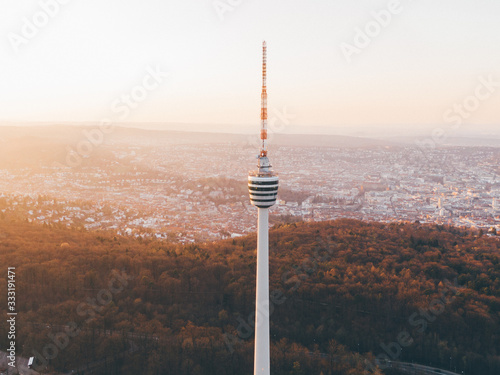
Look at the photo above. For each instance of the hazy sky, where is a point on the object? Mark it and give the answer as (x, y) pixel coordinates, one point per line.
(75, 61)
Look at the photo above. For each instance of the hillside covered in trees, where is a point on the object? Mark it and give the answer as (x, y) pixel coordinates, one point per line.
(343, 294)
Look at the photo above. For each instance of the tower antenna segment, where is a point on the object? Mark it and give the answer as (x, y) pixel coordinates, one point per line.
(263, 103)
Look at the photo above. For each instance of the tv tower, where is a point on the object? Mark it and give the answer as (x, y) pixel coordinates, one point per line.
(263, 189)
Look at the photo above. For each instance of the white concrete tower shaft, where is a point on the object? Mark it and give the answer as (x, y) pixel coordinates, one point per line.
(262, 360)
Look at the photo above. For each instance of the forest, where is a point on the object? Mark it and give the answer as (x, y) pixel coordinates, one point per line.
(347, 297)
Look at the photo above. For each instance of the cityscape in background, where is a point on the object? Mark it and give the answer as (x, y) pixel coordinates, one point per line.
(189, 187)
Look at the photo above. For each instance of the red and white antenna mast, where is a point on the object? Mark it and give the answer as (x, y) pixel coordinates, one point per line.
(263, 99)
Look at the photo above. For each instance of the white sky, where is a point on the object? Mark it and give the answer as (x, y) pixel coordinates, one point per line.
(91, 52)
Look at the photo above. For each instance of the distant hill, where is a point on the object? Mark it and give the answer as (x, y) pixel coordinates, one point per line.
(410, 292)
(39, 146)
(449, 141)
(65, 133)
(326, 140)
(300, 136)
